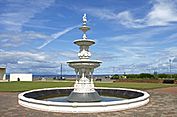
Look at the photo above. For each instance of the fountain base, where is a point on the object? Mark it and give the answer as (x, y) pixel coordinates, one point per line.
(84, 92)
(84, 97)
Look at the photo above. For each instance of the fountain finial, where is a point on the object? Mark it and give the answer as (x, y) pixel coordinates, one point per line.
(84, 27)
(84, 19)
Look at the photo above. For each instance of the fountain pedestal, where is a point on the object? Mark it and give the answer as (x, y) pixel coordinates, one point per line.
(84, 88)
(84, 92)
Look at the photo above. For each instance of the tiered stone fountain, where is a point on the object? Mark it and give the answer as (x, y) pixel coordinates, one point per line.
(83, 97)
(84, 88)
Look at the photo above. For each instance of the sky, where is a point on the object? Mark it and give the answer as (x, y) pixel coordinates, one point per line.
(132, 36)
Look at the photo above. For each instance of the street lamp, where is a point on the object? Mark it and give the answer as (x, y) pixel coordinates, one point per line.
(170, 61)
(61, 70)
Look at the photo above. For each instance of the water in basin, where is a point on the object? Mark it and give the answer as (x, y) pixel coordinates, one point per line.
(103, 99)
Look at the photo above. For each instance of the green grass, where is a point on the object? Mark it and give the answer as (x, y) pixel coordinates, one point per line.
(132, 85)
(24, 86)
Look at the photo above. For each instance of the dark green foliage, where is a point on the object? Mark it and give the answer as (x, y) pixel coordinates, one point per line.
(174, 76)
(116, 76)
(129, 76)
(163, 76)
(167, 76)
(146, 76)
(140, 76)
(151, 76)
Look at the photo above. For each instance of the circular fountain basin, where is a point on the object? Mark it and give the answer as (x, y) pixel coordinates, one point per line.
(119, 99)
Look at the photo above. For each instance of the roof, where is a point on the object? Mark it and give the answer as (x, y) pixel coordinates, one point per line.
(3, 68)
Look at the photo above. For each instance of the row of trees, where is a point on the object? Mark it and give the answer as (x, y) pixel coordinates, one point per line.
(146, 76)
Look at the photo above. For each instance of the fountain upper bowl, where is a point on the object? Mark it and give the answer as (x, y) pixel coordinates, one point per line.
(84, 42)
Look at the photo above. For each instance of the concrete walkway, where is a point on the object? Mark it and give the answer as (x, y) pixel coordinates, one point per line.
(163, 103)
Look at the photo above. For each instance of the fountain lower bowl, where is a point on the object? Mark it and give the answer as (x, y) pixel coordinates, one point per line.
(84, 63)
(34, 99)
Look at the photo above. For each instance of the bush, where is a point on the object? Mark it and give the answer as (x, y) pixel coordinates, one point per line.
(163, 76)
(116, 76)
(132, 76)
(174, 76)
(146, 75)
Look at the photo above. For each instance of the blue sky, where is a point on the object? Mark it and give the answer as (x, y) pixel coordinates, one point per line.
(131, 36)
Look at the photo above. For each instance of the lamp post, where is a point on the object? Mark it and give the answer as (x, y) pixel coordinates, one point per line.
(61, 70)
(113, 70)
(170, 61)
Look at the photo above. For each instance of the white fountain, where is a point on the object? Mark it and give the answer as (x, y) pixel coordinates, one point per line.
(83, 97)
(84, 88)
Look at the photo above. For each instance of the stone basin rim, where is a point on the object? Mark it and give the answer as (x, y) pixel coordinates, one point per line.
(84, 61)
(127, 101)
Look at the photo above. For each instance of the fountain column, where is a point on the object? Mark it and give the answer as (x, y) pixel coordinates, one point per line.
(84, 88)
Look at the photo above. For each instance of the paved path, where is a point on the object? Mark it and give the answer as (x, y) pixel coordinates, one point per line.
(169, 90)
(163, 103)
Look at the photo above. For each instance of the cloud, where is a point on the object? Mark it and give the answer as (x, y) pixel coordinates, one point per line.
(17, 39)
(15, 56)
(35, 61)
(137, 45)
(148, 37)
(138, 59)
(17, 13)
(101, 13)
(162, 57)
(108, 58)
(124, 17)
(154, 61)
(19, 61)
(68, 54)
(136, 36)
(172, 51)
(57, 35)
(127, 19)
(29, 25)
(14, 16)
(162, 13)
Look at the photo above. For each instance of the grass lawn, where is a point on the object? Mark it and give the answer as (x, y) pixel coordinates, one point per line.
(24, 86)
(132, 85)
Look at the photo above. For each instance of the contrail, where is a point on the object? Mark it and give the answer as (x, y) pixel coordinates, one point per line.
(57, 35)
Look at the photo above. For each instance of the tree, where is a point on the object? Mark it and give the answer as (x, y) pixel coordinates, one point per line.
(116, 76)
(146, 75)
(163, 76)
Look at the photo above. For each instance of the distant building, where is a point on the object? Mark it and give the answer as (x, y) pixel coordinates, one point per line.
(2, 73)
(21, 77)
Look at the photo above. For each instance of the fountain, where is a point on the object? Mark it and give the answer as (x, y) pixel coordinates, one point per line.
(83, 97)
(84, 88)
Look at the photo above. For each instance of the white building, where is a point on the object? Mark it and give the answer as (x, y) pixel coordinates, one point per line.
(21, 77)
(2, 73)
